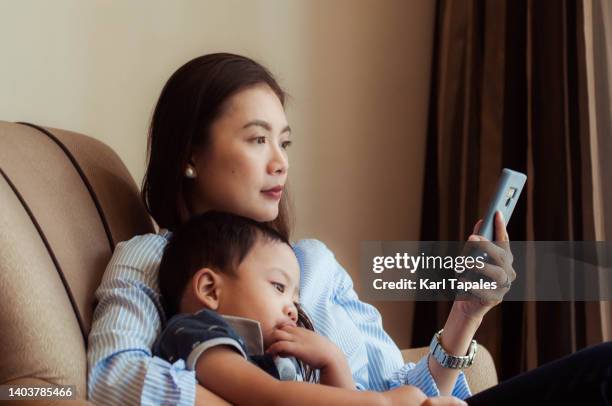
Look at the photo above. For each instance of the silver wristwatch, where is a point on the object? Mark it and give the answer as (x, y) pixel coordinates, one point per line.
(451, 361)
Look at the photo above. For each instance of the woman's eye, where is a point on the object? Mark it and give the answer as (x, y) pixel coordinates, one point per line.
(286, 144)
(260, 140)
(279, 286)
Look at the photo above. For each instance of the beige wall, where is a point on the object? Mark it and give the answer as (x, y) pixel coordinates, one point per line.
(357, 71)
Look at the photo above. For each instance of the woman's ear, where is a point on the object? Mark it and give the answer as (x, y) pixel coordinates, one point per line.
(207, 285)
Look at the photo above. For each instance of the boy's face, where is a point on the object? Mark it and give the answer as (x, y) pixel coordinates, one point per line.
(264, 287)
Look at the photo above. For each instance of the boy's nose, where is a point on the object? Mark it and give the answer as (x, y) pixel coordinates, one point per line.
(291, 312)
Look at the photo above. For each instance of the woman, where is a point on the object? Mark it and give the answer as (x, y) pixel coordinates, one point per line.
(218, 140)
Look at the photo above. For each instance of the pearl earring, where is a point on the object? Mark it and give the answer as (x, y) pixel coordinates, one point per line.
(190, 172)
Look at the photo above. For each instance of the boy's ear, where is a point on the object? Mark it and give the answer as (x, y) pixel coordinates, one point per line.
(207, 287)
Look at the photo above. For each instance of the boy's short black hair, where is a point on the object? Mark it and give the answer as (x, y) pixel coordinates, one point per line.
(215, 240)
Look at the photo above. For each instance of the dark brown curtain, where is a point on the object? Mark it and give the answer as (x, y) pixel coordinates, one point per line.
(509, 90)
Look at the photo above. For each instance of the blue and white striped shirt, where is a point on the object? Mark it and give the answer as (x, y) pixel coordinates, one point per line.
(128, 319)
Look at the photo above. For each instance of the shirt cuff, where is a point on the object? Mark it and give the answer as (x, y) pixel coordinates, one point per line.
(168, 384)
(194, 355)
(418, 375)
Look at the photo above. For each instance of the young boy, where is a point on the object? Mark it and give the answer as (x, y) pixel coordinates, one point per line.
(232, 285)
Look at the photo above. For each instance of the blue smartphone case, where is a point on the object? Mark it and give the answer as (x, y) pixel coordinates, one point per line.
(508, 191)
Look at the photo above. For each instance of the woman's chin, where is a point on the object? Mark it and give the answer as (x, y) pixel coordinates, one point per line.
(264, 214)
(267, 216)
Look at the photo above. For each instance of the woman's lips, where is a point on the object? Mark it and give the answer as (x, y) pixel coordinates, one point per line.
(274, 193)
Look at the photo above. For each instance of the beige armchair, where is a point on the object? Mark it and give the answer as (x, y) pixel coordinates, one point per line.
(66, 199)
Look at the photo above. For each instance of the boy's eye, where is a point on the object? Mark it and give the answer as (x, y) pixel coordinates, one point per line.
(279, 286)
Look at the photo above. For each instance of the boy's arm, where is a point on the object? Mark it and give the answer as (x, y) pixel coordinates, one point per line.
(337, 373)
(226, 373)
(204, 397)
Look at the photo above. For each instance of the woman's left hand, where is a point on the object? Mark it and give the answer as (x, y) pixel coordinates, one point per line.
(498, 269)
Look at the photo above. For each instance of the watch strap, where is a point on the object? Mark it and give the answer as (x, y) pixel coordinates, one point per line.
(447, 360)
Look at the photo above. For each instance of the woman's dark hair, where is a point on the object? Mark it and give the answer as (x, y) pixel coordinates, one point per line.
(191, 100)
(220, 241)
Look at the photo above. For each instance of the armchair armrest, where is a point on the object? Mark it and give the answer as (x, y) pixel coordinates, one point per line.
(480, 376)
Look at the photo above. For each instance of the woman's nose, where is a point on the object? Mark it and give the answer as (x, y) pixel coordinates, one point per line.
(278, 164)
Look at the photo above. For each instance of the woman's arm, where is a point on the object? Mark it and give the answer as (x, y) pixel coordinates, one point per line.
(456, 337)
(126, 322)
(467, 313)
(232, 377)
(386, 367)
(356, 327)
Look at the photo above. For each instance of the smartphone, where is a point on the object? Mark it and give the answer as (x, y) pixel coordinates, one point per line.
(509, 189)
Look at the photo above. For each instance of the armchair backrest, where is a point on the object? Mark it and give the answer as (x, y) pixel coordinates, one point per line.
(65, 201)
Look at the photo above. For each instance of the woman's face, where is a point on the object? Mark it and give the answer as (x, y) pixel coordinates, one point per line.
(244, 168)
